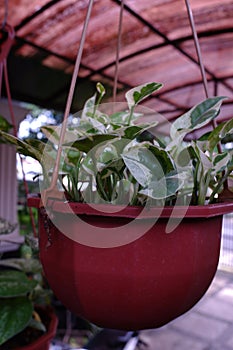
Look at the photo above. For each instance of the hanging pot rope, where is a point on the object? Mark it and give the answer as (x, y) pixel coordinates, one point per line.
(116, 75)
(52, 190)
(226, 194)
(198, 49)
(200, 60)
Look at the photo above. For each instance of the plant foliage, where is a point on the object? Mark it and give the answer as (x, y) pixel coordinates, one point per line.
(21, 287)
(121, 157)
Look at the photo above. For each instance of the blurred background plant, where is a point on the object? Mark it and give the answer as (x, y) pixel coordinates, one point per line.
(23, 290)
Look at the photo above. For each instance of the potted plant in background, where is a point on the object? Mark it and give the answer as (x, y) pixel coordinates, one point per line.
(104, 245)
(27, 321)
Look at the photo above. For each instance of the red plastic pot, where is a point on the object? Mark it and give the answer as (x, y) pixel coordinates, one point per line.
(142, 284)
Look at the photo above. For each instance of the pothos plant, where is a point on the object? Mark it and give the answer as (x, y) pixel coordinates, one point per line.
(22, 288)
(118, 158)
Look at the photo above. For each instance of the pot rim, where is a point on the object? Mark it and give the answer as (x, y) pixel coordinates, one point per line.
(192, 211)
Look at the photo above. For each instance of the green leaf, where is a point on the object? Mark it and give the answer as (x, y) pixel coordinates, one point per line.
(163, 188)
(24, 264)
(97, 126)
(101, 90)
(89, 107)
(106, 154)
(196, 117)
(163, 158)
(15, 283)
(139, 171)
(134, 131)
(24, 147)
(120, 118)
(50, 131)
(219, 133)
(116, 166)
(204, 161)
(53, 132)
(147, 164)
(4, 124)
(15, 314)
(221, 161)
(38, 145)
(37, 325)
(73, 156)
(205, 111)
(139, 93)
(86, 144)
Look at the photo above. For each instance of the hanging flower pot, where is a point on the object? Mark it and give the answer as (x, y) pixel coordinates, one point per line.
(133, 285)
(135, 240)
(138, 265)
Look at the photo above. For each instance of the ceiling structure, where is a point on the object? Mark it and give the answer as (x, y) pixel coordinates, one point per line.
(156, 45)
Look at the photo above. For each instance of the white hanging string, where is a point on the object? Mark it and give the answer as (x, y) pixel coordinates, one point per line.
(202, 68)
(197, 46)
(76, 71)
(116, 76)
(70, 95)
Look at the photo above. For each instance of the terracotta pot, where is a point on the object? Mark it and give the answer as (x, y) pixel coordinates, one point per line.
(141, 284)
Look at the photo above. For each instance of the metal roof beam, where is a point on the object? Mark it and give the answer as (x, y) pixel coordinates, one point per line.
(28, 19)
(164, 37)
